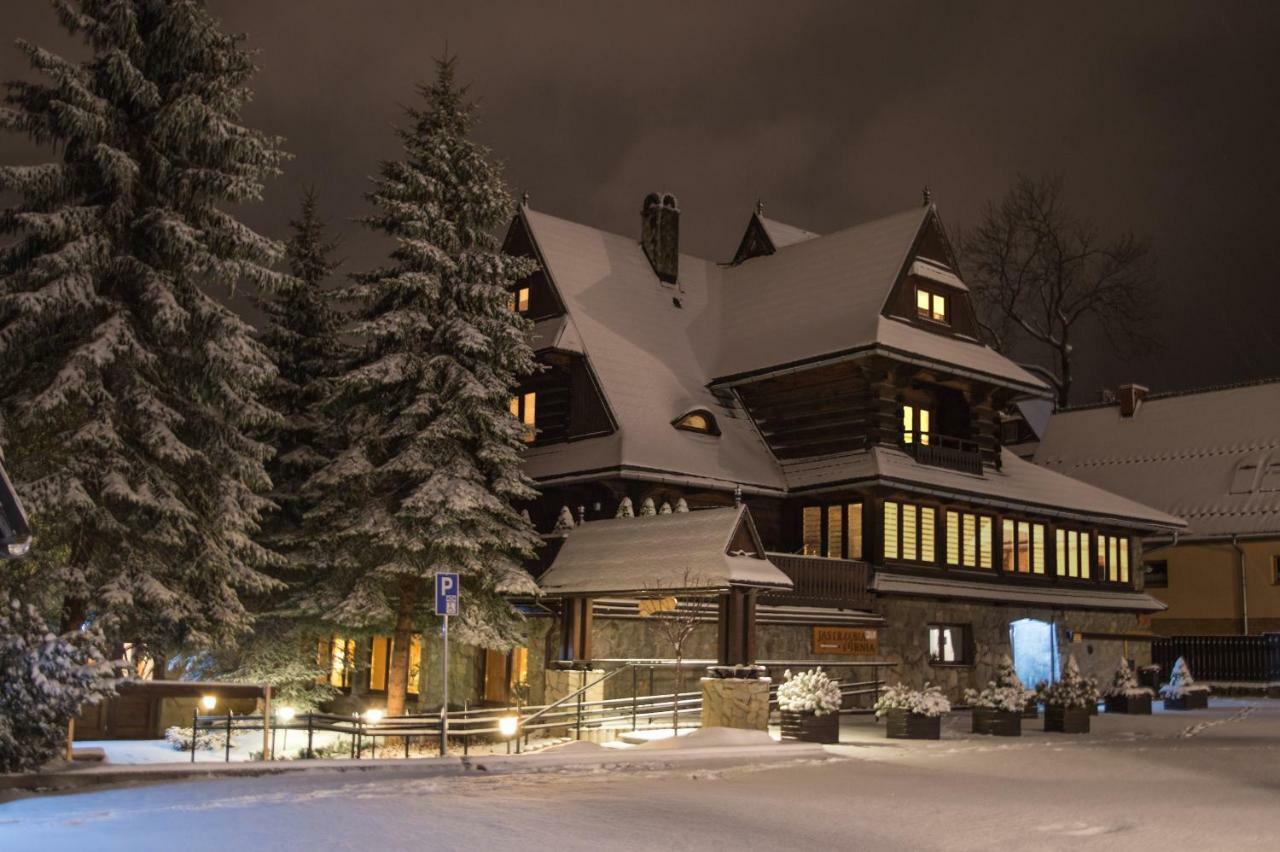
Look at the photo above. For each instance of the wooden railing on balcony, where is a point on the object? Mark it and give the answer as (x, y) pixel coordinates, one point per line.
(945, 451)
(822, 582)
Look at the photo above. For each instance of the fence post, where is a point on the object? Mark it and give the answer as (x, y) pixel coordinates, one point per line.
(228, 757)
(195, 721)
(635, 692)
(579, 735)
(310, 730)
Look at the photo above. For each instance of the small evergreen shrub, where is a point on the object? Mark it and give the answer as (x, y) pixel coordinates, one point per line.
(1181, 683)
(923, 702)
(1072, 691)
(809, 692)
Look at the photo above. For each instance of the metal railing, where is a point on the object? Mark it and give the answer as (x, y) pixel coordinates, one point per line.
(1229, 658)
(946, 451)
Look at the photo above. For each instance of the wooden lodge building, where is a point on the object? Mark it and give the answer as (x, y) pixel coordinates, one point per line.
(809, 435)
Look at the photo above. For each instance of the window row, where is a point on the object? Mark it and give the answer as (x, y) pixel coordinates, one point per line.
(337, 656)
(833, 530)
(969, 542)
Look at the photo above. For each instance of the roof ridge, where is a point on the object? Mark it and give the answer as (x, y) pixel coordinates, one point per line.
(1172, 394)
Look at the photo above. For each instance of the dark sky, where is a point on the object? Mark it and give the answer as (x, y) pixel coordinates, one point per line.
(1162, 117)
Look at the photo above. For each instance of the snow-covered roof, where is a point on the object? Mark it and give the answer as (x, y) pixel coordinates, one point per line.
(1211, 457)
(1017, 484)
(781, 234)
(1082, 598)
(663, 554)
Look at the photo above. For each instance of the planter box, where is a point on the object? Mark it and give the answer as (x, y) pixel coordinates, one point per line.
(1191, 701)
(912, 726)
(1066, 720)
(997, 723)
(1031, 709)
(1135, 705)
(810, 728)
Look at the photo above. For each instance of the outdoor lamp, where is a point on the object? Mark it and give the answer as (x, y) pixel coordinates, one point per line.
(508, 725)
(373, 716)
(19, 548)
(286, 714)
(208, 702)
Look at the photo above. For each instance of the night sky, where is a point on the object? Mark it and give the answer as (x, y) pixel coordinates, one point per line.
(1162, 117)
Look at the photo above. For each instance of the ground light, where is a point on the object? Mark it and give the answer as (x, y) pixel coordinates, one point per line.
(508, 725)
(285, 715)
(208, 702)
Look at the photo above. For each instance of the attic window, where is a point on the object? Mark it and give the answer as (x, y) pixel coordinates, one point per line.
(932, 306)
(519, 300)
(524, 407)
(699, 420)
(1245, 475)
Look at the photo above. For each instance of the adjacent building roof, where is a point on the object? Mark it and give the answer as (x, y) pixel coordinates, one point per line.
(1211, 457)
(663, 554)
(1057, 598)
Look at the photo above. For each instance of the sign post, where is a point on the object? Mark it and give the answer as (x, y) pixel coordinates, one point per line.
(447, 590)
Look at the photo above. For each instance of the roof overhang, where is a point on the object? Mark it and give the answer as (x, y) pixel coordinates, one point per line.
(1056, 598)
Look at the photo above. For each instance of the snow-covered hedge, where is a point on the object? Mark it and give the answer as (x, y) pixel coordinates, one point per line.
(1181, 682)
(1124, 683)
(924, 702)
(206, 740)
(1007, 676)
(1006, 699)
(44, 680)
(809, 692)
(1073, 690)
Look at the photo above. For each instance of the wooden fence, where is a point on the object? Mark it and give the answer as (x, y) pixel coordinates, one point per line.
(1222, 658)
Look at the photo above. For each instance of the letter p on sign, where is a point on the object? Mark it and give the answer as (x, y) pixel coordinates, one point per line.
(447, 590)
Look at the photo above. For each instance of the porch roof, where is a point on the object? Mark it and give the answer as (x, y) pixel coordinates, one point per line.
(1058, 598)
(707, 550)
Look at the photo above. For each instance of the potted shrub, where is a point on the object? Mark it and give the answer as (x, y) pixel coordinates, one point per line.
(1124, 695)
(913, 714)
(1068, 702)
(1007, 676)
(997, 710)
(809, 704)
(1182, 692)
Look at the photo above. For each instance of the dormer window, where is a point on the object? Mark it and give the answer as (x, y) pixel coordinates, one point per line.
(699, 420)
(524, 407)
(519, 300)
(932, 305)
(916, 424)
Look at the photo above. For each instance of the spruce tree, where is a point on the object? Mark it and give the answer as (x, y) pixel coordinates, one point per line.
(129, 399)
(432, 465)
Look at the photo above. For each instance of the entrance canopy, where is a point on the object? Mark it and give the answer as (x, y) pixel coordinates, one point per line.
(705, 551)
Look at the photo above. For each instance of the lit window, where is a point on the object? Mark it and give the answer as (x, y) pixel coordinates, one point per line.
(968, 540)
(855, 530)
(519, 300)
(910, 541)
(890, 530)
(927, 532)
(953, 538)
(949, 643)
(697, 421)
(985, 526)
(811, 531)
(915, 421)
(524, 407)
(931, 306)
(840, 537)
(835, 531)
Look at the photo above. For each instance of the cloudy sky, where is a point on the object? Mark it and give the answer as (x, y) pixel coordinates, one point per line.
(1162, 118)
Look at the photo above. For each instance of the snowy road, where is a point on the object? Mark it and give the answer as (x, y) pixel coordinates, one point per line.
(1203, 780)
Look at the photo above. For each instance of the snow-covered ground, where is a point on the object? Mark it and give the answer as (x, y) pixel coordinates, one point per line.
(1202, 780)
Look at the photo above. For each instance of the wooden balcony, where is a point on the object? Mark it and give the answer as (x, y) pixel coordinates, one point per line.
(818, 581)
(945, 451)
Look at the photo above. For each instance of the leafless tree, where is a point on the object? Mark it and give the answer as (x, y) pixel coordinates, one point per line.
(674, 620)
(1037, 270)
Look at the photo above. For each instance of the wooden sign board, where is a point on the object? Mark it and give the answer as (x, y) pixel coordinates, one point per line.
(846, 641)
(653, 606)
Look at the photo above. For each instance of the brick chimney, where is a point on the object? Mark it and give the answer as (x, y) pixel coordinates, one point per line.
(1130, 396)
(660, 235)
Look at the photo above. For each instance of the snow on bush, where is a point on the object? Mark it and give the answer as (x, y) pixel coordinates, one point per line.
(1181, 682)
(923, 702)
(1124, 683)
(809, 692)
(1006, 699)
(1007, 676)
(206, 740)
(44, 680)
(1073, 690)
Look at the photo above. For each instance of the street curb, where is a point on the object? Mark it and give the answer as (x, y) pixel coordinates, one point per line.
(76, 779)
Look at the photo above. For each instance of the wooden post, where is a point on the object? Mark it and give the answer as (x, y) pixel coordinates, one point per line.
(71, 736)
(266, 722)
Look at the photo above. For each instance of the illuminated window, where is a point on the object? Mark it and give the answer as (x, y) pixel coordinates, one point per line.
(1113, 558)
(415, 664)
(811, 531)
(910, 531)
(1072, 551)
(519, 300)
(1023, 547)
(953, 538)
(834, 530)
(915, 422)
(890, 530)
(949, 644)
(928, 529)
(968, 540)
(985, 528)
(697, 421)
(931, 306)
(524, 407)
(342, 657)
(379, 661)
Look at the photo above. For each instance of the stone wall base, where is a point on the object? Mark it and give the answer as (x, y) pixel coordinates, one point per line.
(735, 703)
(562, 682)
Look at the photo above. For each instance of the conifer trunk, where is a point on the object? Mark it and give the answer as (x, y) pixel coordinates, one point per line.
(402, 637)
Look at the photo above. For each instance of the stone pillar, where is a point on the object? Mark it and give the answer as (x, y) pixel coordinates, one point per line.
(735, 702)
(562, 682)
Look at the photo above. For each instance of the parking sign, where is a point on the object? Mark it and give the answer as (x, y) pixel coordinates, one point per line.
(447, 589)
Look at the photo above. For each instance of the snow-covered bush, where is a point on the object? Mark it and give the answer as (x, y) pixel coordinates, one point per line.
(812, 691)
(207, 740)
(1006, 699)
(1181, 682)
(923, 702)
(1007, 676)
(44, 680)
(1124, 683)
(1073, 690)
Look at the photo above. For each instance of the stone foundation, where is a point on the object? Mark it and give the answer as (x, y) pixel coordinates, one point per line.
(562, 682)
(735, 703)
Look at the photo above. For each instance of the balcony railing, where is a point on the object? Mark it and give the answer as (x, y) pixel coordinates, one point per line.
(823, 582)
(944, 451)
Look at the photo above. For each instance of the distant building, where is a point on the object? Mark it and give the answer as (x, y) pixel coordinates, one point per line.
(1211, 457)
